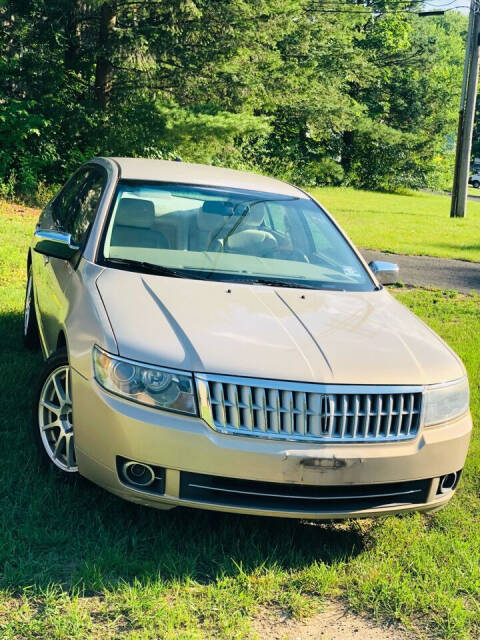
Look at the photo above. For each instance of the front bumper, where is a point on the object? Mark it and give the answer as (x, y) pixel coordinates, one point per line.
(107, 427)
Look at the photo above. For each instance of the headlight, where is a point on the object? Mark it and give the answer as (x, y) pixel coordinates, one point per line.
(163, 388)
(446, 402)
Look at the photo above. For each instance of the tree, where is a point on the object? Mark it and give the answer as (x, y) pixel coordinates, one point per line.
(364, 94)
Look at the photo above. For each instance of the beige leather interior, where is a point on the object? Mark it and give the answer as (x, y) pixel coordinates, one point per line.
(134, 222)
(140, 222)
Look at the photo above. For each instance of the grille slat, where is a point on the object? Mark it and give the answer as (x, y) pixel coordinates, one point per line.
(344, 416)
(398, 420)
(248, 419)
(389, 414)
(410, 412)
(300, 413)
(366, 422)
(318, 413)
(378, 417)
(356, 409)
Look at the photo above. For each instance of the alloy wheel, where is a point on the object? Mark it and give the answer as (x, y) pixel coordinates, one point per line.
(55, 419)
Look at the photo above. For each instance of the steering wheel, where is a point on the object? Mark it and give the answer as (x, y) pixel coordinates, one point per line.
(287, 254)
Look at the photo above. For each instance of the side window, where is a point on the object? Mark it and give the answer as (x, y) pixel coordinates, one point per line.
(62, 205)
(84, 206)
(289, 227)
(74, 209)
(320, 230)
(276, 217)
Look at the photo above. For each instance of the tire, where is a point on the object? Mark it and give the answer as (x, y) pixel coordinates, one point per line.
(53, 406)
(31, 338)
(475, 184)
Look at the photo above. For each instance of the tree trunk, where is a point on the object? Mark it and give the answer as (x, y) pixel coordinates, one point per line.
(347, 150)
(104, 67)
(72, 36)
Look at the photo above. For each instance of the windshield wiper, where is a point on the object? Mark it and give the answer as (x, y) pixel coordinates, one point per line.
(269, 282)
(151, 267)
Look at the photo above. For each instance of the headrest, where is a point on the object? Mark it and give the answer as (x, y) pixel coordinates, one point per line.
(214, 214)
(135, 212)
(254, 217)
(219, 207)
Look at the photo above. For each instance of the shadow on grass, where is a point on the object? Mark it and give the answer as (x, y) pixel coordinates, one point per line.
(78, 535)
(462, 248)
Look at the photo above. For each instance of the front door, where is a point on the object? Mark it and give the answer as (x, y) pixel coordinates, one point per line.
(72, 211)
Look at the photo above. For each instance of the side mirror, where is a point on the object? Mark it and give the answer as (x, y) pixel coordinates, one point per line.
(385, 272)
(56, 244)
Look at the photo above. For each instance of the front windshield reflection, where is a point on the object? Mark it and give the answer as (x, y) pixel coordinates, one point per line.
(230, 234)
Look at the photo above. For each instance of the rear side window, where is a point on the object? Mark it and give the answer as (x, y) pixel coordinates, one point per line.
(85, 206)
(62, 205)
(76, 206)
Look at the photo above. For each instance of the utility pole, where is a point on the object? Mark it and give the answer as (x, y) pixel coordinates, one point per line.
(466, 116)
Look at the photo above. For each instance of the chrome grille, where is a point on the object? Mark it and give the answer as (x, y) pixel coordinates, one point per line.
(285, 410)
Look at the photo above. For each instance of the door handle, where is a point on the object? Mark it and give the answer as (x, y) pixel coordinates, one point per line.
(46, 259)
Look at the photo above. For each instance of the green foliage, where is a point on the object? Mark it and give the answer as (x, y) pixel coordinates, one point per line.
(360, 96)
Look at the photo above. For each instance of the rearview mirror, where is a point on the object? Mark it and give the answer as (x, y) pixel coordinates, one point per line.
(56, 244)
(385, 272)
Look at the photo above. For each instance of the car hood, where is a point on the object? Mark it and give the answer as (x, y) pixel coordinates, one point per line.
(277, 333)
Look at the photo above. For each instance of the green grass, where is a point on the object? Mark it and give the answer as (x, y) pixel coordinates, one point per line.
(77, 563)
(414, 224)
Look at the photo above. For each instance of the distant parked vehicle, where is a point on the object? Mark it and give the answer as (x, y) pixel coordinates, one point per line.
(474, 180)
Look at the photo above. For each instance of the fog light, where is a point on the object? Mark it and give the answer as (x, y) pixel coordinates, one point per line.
(447, 483)
(141, 475)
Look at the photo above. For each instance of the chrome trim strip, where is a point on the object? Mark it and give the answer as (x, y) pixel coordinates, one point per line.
(441, 385)
(311, 387)
(261, 494)
(62, 237)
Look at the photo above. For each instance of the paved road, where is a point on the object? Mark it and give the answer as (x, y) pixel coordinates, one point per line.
(435, 272)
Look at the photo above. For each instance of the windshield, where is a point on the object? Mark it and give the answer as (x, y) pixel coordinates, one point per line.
(214, 233)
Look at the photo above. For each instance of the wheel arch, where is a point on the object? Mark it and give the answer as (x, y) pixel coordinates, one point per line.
(61, 341)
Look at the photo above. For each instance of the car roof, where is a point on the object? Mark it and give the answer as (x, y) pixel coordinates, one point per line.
(200, 174)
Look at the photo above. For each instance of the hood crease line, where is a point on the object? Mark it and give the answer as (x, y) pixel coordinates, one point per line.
(307, 330)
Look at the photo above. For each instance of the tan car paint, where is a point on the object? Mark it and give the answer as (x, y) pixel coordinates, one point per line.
(199, 174)
(249, 330)
(273, 333)
(111, 426)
